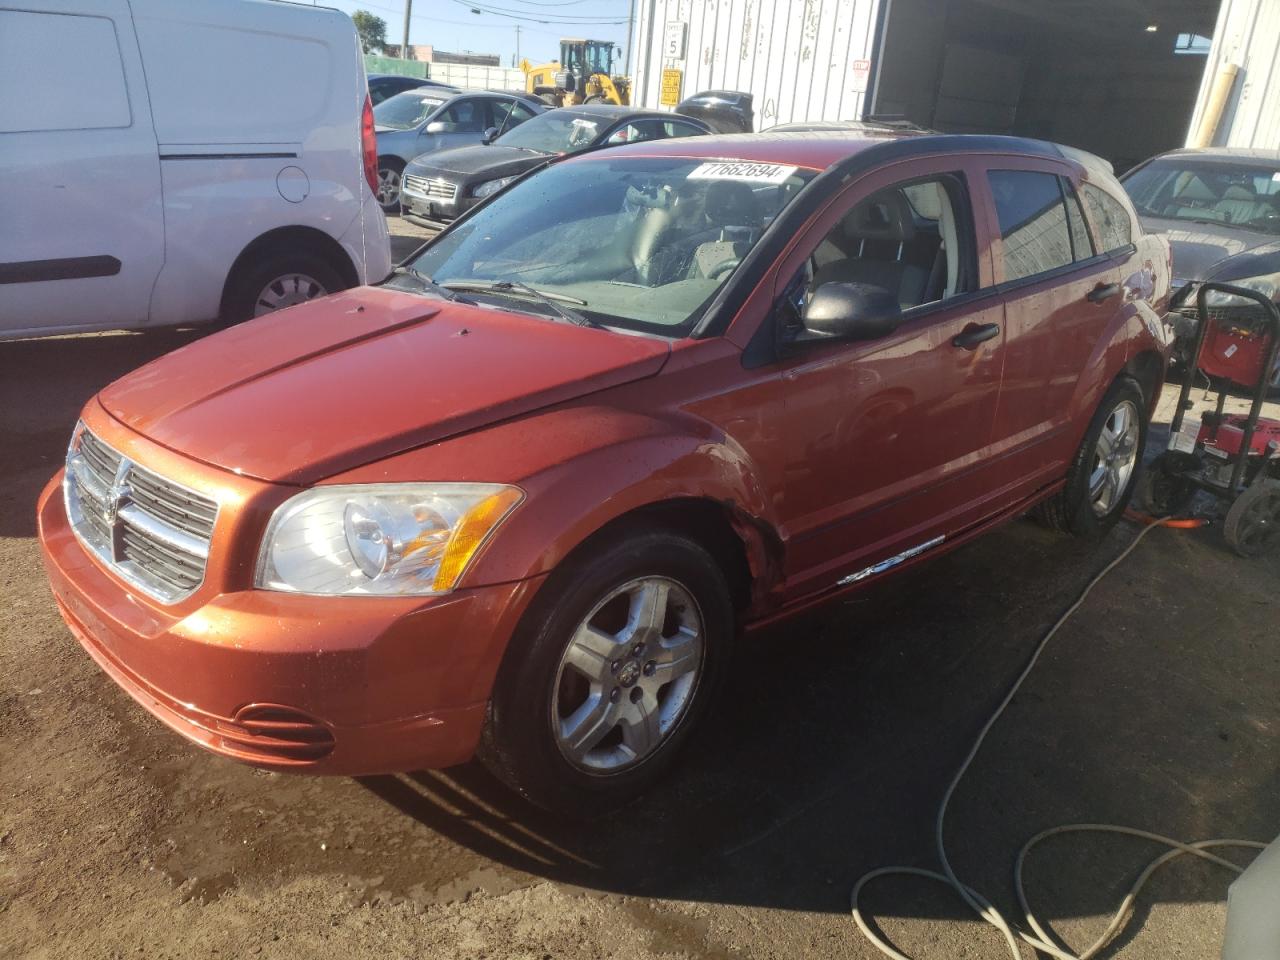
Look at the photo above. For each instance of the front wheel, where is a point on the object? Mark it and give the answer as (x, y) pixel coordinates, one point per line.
(1105, 468)
(388, 192)
(609, 674)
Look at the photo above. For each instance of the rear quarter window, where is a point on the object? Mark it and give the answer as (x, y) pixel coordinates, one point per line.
(70, 69)
(1110, 216)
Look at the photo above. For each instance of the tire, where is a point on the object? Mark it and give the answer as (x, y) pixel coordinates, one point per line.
(388, 192)
(1163, 490)
(1252, 527)
(1081, 507)
(578, 746)
(598, 98)
(292, 277)
(549, 99)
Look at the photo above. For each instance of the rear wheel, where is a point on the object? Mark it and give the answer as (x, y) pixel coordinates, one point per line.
(612, 669)
(1102, 475)
(551, 100)
(279, 280)
(1252, 526)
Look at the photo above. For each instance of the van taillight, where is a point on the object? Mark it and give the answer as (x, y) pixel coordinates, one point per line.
(369, 145)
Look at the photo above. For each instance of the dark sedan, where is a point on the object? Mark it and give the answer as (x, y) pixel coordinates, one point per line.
(1220, 210)
(385, 85)
(441, 186)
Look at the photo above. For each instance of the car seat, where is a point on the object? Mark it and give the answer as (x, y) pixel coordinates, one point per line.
(885, 217)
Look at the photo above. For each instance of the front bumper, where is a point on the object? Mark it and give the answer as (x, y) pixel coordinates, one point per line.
(333, 685)
(433, 213)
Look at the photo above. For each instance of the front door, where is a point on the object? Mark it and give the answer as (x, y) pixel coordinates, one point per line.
(887, 440)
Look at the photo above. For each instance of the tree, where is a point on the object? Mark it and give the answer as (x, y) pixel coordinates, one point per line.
(372, 30)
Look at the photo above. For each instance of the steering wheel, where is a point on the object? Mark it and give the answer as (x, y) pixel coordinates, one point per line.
(723, 267)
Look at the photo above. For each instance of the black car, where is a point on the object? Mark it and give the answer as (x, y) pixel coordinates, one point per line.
(384, 85)
(439, 187)
(1220, 210)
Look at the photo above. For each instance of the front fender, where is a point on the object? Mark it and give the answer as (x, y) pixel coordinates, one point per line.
(583, 467)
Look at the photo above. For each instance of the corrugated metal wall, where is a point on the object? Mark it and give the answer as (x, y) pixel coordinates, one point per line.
(1248, 35)
(794, 56)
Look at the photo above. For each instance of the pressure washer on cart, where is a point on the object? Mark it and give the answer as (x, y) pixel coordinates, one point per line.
(1235, 457)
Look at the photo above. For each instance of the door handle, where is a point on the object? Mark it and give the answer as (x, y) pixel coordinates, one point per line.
(971, 336)
(1103, 291)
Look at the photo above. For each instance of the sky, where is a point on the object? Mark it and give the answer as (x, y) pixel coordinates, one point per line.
(450, 24)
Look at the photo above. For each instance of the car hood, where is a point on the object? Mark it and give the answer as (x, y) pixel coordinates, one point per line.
(477, 163)
(1205, 251)
(327, 386)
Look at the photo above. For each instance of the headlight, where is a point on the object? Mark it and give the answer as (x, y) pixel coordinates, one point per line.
(1268, 285)
(490, 187)
(386, 539)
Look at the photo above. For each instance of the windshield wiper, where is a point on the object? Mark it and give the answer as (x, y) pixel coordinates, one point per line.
(426, 281)
(551, 299)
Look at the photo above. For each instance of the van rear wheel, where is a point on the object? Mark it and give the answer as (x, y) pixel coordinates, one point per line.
(277, 281)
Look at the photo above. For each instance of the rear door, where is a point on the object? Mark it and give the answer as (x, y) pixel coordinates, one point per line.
(81, 216)
(1060, 295)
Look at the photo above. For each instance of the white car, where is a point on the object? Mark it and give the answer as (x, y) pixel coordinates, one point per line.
(176, 161)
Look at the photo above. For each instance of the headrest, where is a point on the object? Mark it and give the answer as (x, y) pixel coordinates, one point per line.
(1196, 189)
(882, 216)
(731, 203)
(1237, 192)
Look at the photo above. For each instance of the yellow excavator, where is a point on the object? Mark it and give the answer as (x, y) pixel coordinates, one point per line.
(583, 74)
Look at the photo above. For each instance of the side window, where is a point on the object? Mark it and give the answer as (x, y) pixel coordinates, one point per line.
(1111, 217)
(914, 240)
(1081, 243)
(676, 129)
(81, 92)
(464, 116)
(638, 131)
(1033, 222)
(520, 112)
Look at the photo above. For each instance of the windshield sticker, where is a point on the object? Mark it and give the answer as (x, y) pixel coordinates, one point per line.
(738, 170)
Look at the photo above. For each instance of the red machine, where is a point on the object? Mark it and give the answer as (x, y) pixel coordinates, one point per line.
(1232, 456)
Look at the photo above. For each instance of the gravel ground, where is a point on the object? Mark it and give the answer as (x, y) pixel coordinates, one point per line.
(1155, 707)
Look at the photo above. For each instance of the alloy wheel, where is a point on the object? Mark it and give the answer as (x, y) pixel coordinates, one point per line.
(388, 186)
(285, 291)
(1114, 458)
(628, 675)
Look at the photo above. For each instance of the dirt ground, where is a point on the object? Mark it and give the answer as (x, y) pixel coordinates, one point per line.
(1156, 707)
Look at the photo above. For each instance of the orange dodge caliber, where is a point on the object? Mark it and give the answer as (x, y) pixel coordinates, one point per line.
(520, 498)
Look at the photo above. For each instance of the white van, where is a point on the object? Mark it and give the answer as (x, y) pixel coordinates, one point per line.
(175, 161)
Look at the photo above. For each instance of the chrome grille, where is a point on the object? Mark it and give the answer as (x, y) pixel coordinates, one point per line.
(151, 531)
(433, 189)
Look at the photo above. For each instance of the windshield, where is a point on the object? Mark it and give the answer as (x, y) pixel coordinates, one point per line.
(406, 110)
(637, 243)
(558, 131)
(1240, 194)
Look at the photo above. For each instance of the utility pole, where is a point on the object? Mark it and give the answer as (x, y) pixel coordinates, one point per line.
(631, 20)
(404, 50)
(517, 44)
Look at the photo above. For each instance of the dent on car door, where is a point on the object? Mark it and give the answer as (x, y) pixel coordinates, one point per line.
(887, 439)
(1061, 294)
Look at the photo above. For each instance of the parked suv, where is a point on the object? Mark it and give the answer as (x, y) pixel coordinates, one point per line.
(521, 498)
(177, 162)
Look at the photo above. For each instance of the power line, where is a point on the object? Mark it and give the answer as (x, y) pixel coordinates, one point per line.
(518, 15)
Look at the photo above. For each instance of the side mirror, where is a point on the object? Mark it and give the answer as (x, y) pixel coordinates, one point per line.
(851, 311)
(490, 134)
(435, 126)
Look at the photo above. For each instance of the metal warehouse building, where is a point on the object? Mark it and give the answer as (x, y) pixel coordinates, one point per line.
(1122, 78)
